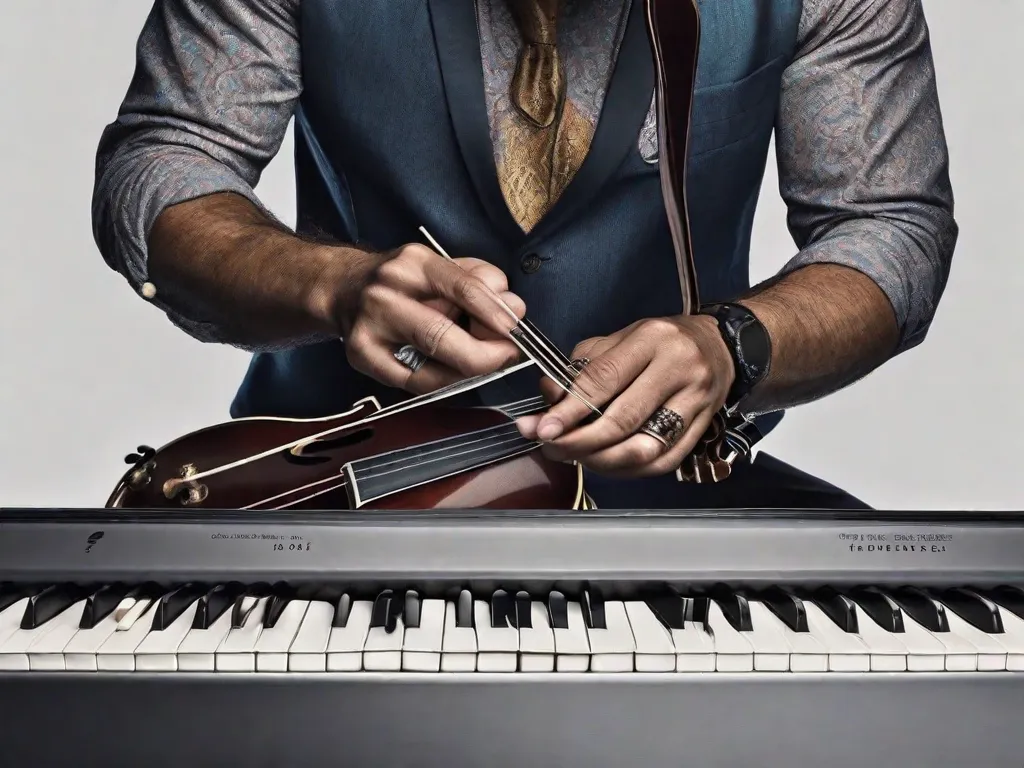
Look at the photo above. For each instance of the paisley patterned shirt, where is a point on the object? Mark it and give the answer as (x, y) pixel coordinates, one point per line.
(862, 157)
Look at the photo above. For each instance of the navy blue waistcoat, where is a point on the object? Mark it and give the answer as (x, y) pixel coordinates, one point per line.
(392, 133)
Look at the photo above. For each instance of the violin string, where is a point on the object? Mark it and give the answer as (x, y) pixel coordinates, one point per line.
(413, 402)
(513, 410)
(541, 353)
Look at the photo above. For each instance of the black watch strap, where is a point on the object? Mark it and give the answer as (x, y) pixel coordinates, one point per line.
(749, 344)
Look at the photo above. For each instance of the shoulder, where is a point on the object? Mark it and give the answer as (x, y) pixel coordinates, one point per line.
(824, 20)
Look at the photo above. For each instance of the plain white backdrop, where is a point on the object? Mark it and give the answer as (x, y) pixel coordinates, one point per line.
(88, 370)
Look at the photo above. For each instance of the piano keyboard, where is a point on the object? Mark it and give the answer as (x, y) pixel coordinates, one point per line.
(769, 639)
(230, 628)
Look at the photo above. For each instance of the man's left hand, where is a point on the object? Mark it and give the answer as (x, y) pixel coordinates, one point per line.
(679, 363)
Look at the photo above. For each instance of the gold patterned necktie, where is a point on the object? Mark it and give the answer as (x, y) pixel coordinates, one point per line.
(545, 138)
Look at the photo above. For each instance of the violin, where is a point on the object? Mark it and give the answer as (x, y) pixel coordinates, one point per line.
(416, 455)
(420, 454)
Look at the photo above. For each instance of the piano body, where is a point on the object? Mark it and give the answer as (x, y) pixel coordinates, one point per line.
(614, 638)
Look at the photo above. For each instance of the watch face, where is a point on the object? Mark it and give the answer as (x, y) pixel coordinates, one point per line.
(754, 346)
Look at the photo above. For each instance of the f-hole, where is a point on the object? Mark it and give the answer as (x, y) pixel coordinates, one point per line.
(310, 452)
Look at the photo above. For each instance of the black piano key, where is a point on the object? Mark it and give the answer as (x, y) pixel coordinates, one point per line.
(217, 600)
(174, 603)
(342, 609)
(524, 610)
(239, 612)
(881, 608)
(1008, 598)
(734, 607)
(411, 609)
(464, 610)
(976, 610)
(919, 606)
(11, 593)
(558, 610)
(386, 610)
(786, 606)
(102, 603)
(502, 610)
(698, 609)
(281, 594)
(836, 606)
(668, 607)
(51, 602)
(592, 605)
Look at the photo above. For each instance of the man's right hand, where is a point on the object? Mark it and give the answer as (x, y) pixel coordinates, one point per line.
(415, 296)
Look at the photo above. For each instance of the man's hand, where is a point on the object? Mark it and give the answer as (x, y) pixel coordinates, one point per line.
(679, 363)
(415, 296)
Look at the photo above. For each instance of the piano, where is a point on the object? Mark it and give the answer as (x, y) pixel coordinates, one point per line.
(772, 639)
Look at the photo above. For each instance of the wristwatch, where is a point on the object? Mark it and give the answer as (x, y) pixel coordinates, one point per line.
(749, 344)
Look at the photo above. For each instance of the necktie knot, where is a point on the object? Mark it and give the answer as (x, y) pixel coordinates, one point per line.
(537, 20)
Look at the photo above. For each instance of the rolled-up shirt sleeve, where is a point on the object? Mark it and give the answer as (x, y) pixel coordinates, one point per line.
(863, 162)
(214, 89)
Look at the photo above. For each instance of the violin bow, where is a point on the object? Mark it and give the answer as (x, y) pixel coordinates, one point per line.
(673, 27)
(552, 362)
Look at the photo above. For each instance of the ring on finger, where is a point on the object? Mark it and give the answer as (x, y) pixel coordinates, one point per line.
(411, 357)
(666, 426)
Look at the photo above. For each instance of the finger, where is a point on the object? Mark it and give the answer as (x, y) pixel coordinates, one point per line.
(486, 272)
(623, 417)
(593, 347)
(604, 377)
(376, 359)
(481, 331)
(398, 318)
(644, 456)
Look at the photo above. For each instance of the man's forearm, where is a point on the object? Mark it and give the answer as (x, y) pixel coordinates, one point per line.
(220, 260)
(829, 325)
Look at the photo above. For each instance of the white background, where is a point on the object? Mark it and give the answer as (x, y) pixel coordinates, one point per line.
(88, 370)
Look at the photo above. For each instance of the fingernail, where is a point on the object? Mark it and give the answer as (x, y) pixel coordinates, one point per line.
(549, 428)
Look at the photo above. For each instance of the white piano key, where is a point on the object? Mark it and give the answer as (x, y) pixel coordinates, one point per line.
(458, 644)
(117, 654)
(497, 647)
(991, 653)
(654, 649)
(733, 652)
(924, 652)
(421, 649)
(14, 650)
(237, 653)
(846, 651)
(274, 642)
(959, 654)
(572, 647)
(1012, 639)
(612, 649)
(537, 642)
(198, 651)
(345, 645)
(308, 652)
(695, 648)
(886, 652)
(80, 652)
(806, 654)
(382, 651)
(771, 649)
(47, 653)
(158, 652)
(10, 618)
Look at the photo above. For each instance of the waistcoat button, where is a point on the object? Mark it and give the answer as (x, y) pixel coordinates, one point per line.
(530, 263)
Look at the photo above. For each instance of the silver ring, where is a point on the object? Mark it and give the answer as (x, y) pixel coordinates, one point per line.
(411, 357)
(666, 426)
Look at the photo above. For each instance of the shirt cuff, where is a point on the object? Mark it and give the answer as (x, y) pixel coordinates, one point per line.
(912, 278)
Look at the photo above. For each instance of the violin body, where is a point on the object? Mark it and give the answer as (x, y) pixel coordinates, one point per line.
(426, 457)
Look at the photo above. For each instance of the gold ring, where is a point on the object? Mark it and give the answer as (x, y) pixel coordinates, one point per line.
(666, 426)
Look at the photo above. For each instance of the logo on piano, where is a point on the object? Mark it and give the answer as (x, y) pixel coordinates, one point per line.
(91, 542)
